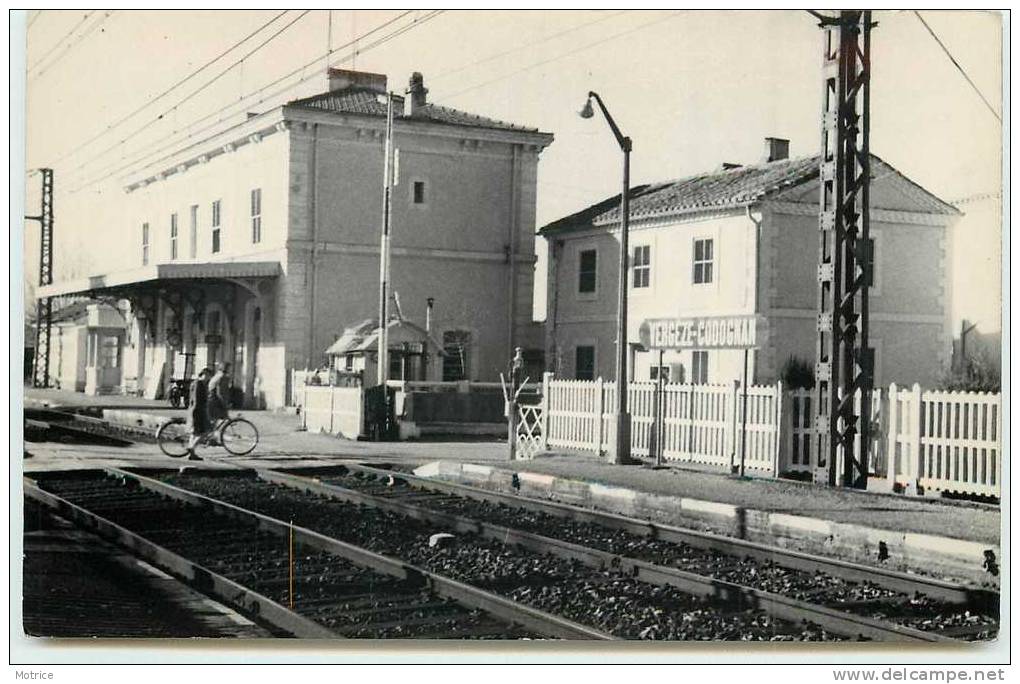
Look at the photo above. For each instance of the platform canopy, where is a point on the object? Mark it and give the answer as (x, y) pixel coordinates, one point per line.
(156, 274)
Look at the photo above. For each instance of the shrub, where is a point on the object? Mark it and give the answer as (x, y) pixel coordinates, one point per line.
(798, 374)
(975, 375)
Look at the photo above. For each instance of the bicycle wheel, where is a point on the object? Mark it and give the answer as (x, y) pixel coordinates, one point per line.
(173, 438)
(239, 436)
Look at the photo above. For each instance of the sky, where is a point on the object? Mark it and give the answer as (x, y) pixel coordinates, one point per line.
(691, 88)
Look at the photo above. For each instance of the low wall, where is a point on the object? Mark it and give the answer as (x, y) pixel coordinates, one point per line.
(334, 410)
(454, 407)
(955, 559)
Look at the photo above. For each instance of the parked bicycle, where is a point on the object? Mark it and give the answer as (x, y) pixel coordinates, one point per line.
(237, 435)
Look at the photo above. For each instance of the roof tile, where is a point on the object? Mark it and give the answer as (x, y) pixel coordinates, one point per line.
(366, 102)
(724, 189)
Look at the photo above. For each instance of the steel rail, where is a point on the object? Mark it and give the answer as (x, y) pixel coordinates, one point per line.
(794, 610)
(466, 595)
(949, 592)
(248, 602)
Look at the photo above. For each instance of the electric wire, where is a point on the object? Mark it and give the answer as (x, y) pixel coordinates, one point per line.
(962, 71)
(189, 96)
(149, 152)
(504, 53)
(564, 55)
(75, 43)
(151, 101)
(61, 41)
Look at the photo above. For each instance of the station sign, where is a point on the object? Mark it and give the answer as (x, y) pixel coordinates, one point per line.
(700, 332)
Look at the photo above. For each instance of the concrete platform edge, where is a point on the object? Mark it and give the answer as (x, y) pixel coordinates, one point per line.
(951, 559)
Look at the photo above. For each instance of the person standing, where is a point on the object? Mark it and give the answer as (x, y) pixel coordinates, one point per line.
(198, 412)
(219, 394)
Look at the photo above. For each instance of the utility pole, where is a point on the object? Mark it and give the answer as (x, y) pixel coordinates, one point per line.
(44, 305)
(845, 362)
(384, 249)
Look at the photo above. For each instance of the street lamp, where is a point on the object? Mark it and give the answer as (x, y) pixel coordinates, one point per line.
(621, 455)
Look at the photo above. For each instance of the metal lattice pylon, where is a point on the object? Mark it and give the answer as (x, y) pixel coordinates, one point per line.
(844, 368)
(44, 305)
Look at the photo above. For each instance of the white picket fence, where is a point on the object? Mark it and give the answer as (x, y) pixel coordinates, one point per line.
(700, 424)
(920, 440)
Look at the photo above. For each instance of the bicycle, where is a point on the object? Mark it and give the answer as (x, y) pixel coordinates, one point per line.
(237, 435)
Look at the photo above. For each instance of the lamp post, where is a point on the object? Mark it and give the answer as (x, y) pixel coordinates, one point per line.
(621, 455)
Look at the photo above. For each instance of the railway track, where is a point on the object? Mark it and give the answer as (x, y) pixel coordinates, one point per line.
(290, 579)
(75, 585)
(548, 595)
(578, 575)
(818, 590)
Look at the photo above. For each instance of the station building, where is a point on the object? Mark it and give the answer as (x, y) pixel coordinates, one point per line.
(259, 245)
(738, 242)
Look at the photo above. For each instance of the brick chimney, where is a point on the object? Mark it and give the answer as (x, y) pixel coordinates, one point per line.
(346, 78)
(416, 91)
(776, 149)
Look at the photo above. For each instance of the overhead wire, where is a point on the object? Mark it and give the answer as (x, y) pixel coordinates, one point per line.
(149, 153)
(962, 71)
(485, 60)
(75, 43)
(565, 54)
(151, 101)
(189, 96)
(61, 41)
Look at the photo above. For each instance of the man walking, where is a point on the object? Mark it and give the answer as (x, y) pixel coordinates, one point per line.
(198, 412)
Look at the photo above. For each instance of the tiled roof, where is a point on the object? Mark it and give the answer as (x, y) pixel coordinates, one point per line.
(364, 337)
(366, 102)
(732, 188)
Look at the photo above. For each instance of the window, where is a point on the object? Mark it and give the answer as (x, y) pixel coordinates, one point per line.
(173, 236)
(193, 247)
(584, 362)
(348, 362)
(256, 216)
(699, 368)
(216, 227)
(109, 352)
(656, 371)
(587, 270)
(703, 257)
(641, 264)
(456, 345)
(419, 192)
(396, 366)
(145, 244)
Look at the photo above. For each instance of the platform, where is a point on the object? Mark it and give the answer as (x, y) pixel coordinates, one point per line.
(284, 444)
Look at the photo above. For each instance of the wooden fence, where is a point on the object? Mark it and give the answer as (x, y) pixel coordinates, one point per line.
(699, 424)
(920, 440)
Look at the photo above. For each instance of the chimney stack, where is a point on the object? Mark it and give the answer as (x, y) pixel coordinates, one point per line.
(776, 149)
(417, 91)
(340, 79)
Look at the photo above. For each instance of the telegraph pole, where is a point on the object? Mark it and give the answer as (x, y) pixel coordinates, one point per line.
(845, 362)
(384, 249)
(44, 305)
